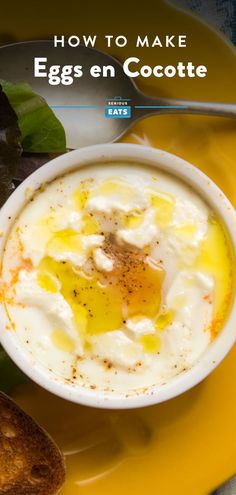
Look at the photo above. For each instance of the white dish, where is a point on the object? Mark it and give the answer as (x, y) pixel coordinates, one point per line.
(119, 153)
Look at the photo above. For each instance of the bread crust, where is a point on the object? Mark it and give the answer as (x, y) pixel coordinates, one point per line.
(30, 461)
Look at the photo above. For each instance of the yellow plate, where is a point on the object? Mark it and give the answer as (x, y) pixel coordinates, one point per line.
(188, 445)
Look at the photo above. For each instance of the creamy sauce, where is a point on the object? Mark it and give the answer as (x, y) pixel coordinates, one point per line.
(128, 277)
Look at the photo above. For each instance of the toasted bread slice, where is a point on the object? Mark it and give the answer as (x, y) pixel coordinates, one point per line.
(30, 462)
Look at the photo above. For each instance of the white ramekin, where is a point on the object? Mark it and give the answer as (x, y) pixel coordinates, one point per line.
(111, 153)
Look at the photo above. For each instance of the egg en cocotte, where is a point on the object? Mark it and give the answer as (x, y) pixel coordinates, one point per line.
(117, 277)
(66, 74)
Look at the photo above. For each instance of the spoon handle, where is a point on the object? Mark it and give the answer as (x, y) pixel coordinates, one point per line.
(151, 105)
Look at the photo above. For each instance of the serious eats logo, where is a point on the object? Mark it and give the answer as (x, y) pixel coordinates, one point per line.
(118, 108)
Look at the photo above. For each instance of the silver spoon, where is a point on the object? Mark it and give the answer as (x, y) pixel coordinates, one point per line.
(81, 106)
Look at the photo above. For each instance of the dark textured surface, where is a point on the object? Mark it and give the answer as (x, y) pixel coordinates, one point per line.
(10, 147)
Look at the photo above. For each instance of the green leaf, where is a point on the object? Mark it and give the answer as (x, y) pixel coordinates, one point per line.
(41, 131)
(10, 375)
